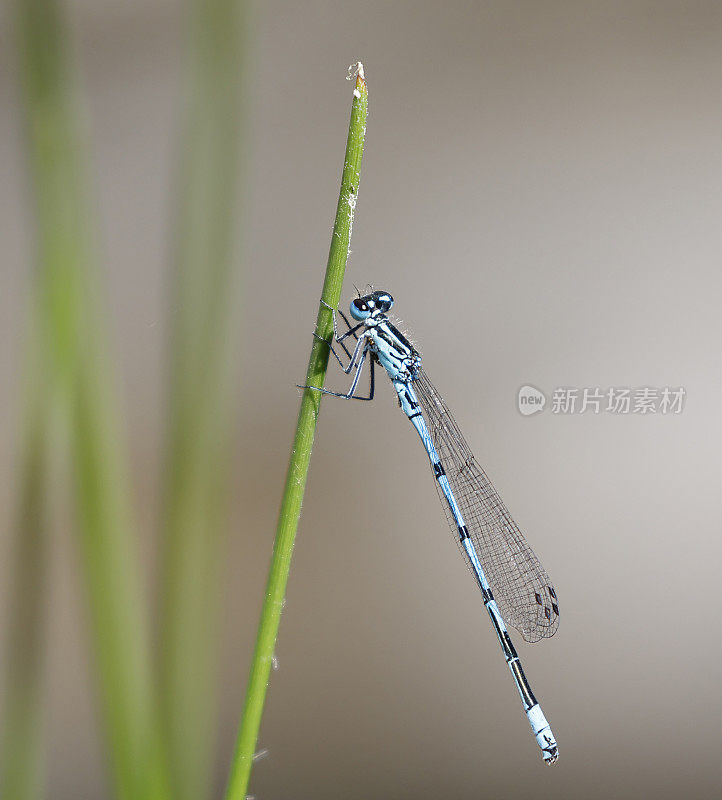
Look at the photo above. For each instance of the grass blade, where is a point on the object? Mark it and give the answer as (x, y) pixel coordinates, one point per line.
(71, 341)
(301, 453)
(21, 775)
(197, 442)
(113, 590)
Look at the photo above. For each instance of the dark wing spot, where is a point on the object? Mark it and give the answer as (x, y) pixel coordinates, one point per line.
(556, 608)
(552, 592)
(547, 613)
(537, 597)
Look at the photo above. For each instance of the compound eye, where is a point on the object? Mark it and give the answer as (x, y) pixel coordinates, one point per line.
(359, 310)
(384, 302)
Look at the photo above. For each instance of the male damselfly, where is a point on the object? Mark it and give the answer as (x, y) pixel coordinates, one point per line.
(514, 585)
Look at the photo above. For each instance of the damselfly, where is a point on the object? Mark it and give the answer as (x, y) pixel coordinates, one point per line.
(514, 586)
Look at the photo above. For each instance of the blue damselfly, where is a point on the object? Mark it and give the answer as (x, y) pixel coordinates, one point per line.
(515, 587)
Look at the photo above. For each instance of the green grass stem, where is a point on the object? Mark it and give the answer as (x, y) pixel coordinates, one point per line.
(203, 353)
(22, 767)
(72, 343)
(301, 453)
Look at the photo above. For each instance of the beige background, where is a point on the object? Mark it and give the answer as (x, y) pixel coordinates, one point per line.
(541, 193)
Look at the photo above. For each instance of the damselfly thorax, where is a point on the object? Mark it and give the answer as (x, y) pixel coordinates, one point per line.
(393, 350)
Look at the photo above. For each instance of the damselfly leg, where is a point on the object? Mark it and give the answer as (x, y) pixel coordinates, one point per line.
(334, 353)
(340, 339)
(350, 395)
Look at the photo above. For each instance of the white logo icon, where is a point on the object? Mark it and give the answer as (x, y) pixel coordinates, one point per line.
(531, 400)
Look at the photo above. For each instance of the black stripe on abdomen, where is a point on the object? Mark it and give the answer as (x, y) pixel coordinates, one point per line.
(526, 693)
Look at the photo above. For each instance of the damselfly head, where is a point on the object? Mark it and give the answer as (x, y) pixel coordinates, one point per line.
(370, 305)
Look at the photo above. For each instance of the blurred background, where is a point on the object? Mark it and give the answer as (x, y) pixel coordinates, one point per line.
(541, 194)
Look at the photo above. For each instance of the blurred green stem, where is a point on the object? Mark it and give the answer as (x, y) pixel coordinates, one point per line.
(301, 453)
(198, 444)
(72, 342)
(22, 772)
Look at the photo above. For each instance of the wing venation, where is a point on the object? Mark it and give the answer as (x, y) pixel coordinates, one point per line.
(521, 587)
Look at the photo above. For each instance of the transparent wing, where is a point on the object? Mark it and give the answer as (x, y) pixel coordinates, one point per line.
(521, 587)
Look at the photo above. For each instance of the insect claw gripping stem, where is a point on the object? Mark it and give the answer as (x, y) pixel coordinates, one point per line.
(330, 347)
